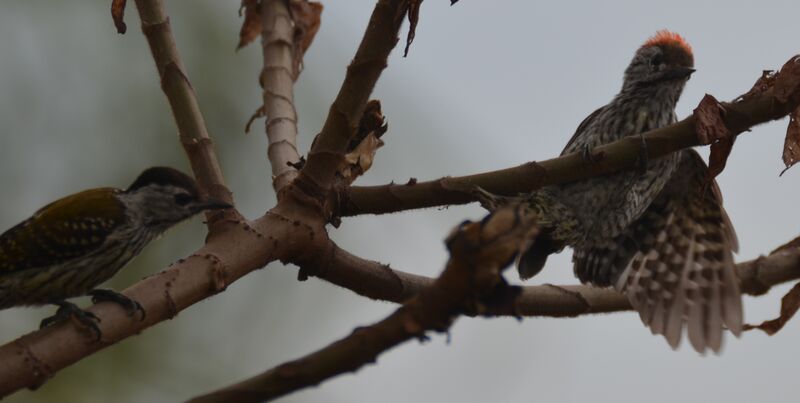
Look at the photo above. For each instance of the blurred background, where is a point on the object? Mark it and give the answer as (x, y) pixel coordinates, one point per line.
(487, 85)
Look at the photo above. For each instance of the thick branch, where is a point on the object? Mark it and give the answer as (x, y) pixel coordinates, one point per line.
(277, 79)
(228, 255)
(478, 253)
(180, 94)
(622, 154)
(341, 124)
(378, 281)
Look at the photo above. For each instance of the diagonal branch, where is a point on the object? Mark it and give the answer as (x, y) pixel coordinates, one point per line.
(741, 115)
(228, 255)
(277, 79)
(330, 146)
(183, 101)
(479, 251)
(379, 281)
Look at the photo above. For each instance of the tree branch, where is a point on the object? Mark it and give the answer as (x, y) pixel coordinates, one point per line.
(277, 78)
(479, 251)
(330, 146)
(379, 281)
(740, 116)
(185, 108)
(228, 255)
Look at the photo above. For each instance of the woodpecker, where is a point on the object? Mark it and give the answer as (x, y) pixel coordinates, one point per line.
(73, 244)
(658, 234)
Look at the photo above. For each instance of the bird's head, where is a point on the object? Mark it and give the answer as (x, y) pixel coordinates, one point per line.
(162, 196)
(663, 61)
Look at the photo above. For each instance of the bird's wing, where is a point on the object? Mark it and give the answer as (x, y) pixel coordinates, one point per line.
(65, 229)
(581, 128)
(682, 269)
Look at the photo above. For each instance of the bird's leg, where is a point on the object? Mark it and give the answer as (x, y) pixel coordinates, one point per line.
(67, 310)
(642, 160)
(130, 305)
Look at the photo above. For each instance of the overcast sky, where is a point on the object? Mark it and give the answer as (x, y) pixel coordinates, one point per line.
(487, 85)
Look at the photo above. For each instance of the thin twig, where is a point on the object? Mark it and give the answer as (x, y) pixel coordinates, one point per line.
(180, 94)
(379, 281)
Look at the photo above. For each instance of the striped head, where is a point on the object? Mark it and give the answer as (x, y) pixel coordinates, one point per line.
(663, 61)
(162, 197)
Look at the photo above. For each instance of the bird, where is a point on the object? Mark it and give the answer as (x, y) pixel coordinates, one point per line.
(658, 234)
(72, 245)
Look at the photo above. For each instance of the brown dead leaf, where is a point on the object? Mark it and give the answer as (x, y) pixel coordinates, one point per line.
(789, 305)
(413, 19)
(372, 121)
(764, 83)
(251, 27)
(118, 14)
(787, 80)
(791, 145)
(711, 129)
(360, 160)
(793, 244)
(307, 17)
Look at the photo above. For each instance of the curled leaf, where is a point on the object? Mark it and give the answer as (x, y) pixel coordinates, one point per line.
(413, 19)
(359, 161)
(251, 27)
(764, 83)
(711, 129)
(307, 16)
(118, 15)
(791, 145)
(787, 80)
(789, 305)
(372, 121)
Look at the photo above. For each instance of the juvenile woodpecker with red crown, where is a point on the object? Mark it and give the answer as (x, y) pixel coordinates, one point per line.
(657, 234)
(74, 244)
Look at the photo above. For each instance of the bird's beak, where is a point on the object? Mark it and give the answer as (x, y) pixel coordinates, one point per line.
(212, 204)
(677, 72)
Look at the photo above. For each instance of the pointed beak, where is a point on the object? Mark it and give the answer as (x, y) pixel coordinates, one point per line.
(677, 72)
(212, 204)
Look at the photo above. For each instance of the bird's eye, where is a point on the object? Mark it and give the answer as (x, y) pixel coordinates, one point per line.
(656, 61)
(182, 199)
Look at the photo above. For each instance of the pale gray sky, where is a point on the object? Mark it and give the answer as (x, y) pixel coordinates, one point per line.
(486, 85)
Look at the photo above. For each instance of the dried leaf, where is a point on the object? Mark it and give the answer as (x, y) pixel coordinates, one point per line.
(307, 18)
(413, 19)
(787, 80)
(711, 129)
(791, 145)
(118, 14)
(360, 160)
(251, 27)
(372, 121)
(793, 244)
(789, 305)
(764, 83)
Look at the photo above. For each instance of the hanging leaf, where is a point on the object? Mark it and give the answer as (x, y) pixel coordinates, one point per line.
(118, 14)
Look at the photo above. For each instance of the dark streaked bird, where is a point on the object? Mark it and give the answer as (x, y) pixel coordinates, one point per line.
(73, 244)
(657, 234)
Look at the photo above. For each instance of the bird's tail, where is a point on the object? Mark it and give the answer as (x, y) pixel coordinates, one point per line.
(675, 263)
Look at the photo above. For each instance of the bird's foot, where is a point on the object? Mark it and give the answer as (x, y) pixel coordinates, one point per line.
(68, 310)
(130, 305)
(642, 160)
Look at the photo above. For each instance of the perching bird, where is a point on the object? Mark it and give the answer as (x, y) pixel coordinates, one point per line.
(658, 234)
(73, 244)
